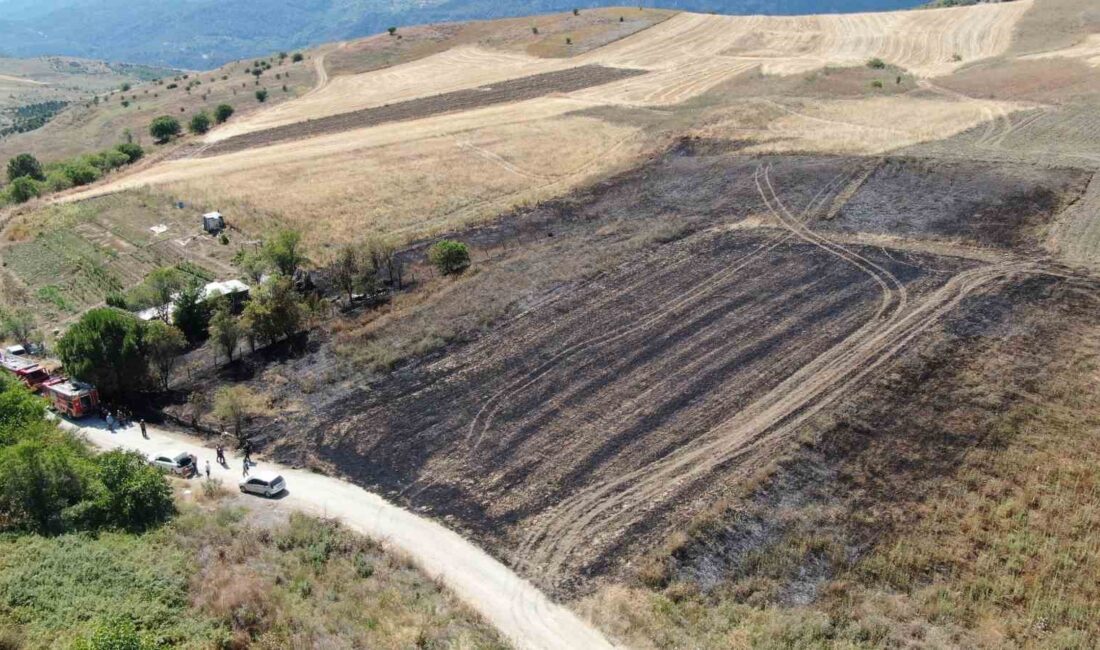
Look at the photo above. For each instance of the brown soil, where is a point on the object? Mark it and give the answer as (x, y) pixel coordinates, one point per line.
(515, 90)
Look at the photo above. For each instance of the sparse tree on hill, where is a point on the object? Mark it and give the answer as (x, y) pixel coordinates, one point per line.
(261, 95)
(234, 405)
(25, 166)
(164, 128)
(200, 123)
(449, 257)
(284, 252)
(190, 313)
(222, 113)
(392, 30)
(164, 344)
(383, 258)
(296, 57)
(345, 269)
(225, 330)
(274, 312)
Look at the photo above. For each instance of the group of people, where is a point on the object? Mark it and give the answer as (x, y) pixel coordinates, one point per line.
(122, 419)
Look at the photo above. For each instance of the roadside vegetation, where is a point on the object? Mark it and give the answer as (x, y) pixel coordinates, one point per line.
(96, 554)
(29, 179)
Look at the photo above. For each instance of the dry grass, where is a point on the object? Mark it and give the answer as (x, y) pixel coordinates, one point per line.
(411, 187)
(1000, 551)
(856, 126)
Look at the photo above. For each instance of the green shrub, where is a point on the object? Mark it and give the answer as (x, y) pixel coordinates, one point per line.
(876, 64)
(877, 83)
(80, 172)
(297, 57)
(200, 123)
(57, 180)
(449, 257)
(222, 113)
(135, 496)
(132, 151)
(164, 128)
(24, 189)
(40, 481)
(25, 165)
(261, 95)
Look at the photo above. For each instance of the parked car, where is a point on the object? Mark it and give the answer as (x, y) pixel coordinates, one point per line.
(264, 484)
(182, 464)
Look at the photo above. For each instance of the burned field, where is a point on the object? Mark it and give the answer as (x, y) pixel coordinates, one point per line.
(514, 90)
(608, 408)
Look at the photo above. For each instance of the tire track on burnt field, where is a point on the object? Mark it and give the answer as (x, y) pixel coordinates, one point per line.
(596, 513)
(483, 419)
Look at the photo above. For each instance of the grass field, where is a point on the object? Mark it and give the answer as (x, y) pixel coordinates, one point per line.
(220, 575)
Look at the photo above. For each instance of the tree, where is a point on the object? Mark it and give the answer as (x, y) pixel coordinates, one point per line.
(297, 57)
(346, 269)
(200, 123)
(40, 480)
(190, 314)
(383, 256)
(274, 312)
(24, 189)
(18, 409)
(284, 252)
(19, 324)
(235, 404)
(261, 95)
(106, 347)
(135, 496)
(449, 257)
(164, 128)
(224, 329)
(253, 264)
(25, 165)
(164, 344)
(391, 30)
(876, 63)
(163, 283)
(222, 113)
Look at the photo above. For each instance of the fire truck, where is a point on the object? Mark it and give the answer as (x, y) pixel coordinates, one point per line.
(71, 398)
(30, 373)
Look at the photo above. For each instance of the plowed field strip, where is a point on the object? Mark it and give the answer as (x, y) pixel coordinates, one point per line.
(515, 90)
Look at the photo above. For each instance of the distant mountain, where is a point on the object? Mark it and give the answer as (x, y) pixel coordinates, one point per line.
(203, 34)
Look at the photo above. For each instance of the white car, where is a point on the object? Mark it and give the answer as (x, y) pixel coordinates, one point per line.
(182, 464)
(264, 484)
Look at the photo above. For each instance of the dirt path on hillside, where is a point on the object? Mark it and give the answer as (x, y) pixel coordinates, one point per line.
(511, 604)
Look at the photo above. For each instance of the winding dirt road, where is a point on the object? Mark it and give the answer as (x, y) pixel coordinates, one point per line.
(517, 609)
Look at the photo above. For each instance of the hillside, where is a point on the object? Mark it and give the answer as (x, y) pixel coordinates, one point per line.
(206, 34)
(770, 331)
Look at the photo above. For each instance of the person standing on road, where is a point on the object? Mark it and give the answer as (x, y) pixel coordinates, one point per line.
(208, 470)
(110, 422)
(221, 456)
(244, 472)
(143, 433)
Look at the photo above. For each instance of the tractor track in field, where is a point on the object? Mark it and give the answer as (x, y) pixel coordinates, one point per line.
(594, 514)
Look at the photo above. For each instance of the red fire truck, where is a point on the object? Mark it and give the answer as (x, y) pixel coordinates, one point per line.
(30, 373)
(71, 398)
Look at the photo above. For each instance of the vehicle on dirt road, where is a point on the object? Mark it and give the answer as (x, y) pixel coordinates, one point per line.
(263, 484)
(182, 464)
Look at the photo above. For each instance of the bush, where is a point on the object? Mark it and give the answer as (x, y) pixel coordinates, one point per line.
(876, 64)
(200, 123)
(25, 165)
(261, 95)
(392, 30)
(164, 128)
(135, 496)
(449, 257)
(57, 180)
(133, 152)
(877, 83)
(116, 633)
(40, 481)
(297, 57)
(24, 189)
(222, 113)
(80, 172)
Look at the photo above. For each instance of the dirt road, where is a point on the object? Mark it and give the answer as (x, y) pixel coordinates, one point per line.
(520, 611)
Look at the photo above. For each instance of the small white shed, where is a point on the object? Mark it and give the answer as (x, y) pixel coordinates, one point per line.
(213, 222)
